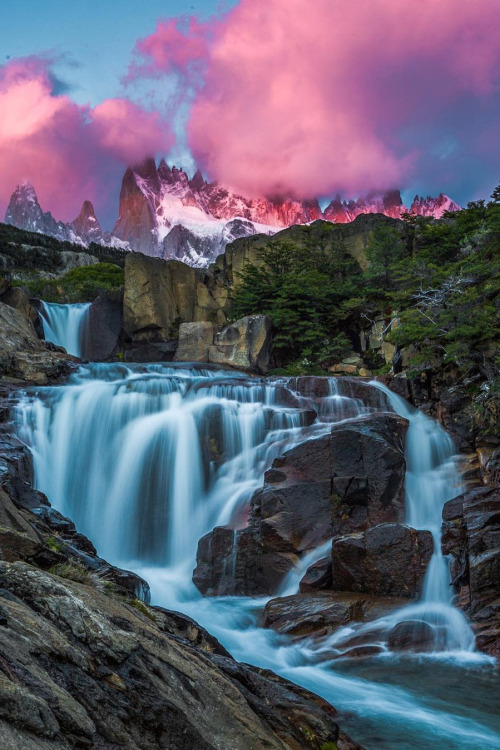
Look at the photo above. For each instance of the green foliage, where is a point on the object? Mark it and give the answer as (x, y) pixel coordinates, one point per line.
(442, 277)
(384, 251)
(55, 544)
(305, 287)
(81, 284)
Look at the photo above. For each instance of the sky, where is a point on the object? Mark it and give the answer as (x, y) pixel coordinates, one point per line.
(307, 98)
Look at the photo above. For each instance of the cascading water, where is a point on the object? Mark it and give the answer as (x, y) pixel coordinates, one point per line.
(66, 325)
(147, 459)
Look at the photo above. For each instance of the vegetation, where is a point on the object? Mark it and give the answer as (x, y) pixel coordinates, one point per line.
(307, 287)
(73, 571)
(439, 279)
(82, 284)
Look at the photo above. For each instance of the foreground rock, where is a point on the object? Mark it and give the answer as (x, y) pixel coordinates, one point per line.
(81, 668)
(345, 481)
(387, 560)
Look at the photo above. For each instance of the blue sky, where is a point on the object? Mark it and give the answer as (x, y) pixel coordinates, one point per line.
(96, 36)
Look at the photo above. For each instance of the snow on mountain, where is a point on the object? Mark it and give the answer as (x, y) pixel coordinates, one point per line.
(86, 225)
(164, 213)
(25, 212)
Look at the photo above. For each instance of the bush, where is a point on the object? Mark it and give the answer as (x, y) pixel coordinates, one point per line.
(81, 284)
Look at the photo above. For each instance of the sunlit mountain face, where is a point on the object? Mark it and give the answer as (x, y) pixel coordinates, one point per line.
(164, 213)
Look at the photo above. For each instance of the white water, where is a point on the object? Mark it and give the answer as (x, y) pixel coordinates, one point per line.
(147, 459)
(66, 325)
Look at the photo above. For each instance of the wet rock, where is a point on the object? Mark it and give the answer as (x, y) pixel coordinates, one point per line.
(319, 612)
(214, 561)
(387, 560)
(340, 482)
(318, 576)
(195, 339)
(245, 344)
(412, 635)
(322, 612)
(105, 326)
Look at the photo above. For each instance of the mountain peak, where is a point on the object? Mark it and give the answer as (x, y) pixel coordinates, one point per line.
(86, 225)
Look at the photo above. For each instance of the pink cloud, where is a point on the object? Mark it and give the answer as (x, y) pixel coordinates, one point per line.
(68, 151)
(313, 97)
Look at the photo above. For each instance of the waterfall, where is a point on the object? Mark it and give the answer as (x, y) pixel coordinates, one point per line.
(66, 325)
(146, 459)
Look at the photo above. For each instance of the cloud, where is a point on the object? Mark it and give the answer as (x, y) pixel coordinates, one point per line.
(311, 98)
(68, 151)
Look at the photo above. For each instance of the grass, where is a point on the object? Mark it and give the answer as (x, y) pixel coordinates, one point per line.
(72, 571)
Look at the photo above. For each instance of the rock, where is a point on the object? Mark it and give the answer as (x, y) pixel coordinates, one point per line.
(412, 635)
(159, 295)
(4, 286)
(22, 354)
(303, 614)
(341, 482)
(322, 612)
(213, 572)
(195, 339)
(387, 560)
(471, 533)
(18, 299)
(105, 326)
(82, 668)
(246, 344)
(318, 576)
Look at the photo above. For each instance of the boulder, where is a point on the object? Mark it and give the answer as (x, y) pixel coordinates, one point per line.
(245, 344)
(105, 326)
(389, 559)
(340, 482)
(15, 297)
(322, 612)
(22, 354)
(195, 340)
(318, 576)
(412, 635)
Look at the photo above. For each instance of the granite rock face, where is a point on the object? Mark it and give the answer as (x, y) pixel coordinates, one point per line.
(160, 295)
(245, 345)
(195, 340)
